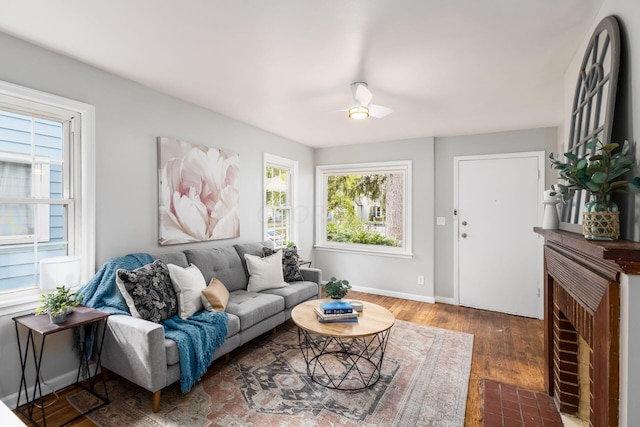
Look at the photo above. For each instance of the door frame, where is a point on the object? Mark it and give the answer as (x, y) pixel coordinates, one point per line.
(540, 155)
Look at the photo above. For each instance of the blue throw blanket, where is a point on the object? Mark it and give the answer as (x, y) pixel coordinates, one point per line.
(197, 338)
(102, 293)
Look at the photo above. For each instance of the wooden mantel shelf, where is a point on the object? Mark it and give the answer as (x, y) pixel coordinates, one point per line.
(625, 253)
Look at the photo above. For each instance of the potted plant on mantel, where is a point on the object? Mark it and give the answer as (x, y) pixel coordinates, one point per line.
(336, 289)
(600, 173)
(59, 303)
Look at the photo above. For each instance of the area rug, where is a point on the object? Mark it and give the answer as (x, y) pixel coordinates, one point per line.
(424, 382)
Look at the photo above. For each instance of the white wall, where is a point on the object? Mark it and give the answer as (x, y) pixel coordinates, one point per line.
(626, 126)
(446, 148)
(379, 274)
(129, 117)
(626, 123)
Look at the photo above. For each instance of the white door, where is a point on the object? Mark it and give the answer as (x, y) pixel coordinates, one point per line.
(498, 202)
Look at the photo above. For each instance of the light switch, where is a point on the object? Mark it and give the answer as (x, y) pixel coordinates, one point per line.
(441, 220)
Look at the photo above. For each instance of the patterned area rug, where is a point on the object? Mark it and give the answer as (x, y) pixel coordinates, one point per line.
(424, 382)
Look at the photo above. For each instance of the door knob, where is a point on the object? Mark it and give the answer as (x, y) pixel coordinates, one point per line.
(464, 222)
(463, 235)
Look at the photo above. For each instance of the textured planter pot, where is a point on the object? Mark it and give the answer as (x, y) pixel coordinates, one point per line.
(601, 220)
(58, 318)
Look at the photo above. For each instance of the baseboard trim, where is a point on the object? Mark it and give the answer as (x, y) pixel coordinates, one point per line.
(446, 300)
(57, 383)
(412, 297)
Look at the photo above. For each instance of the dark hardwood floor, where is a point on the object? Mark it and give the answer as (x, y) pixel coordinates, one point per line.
(506, 349)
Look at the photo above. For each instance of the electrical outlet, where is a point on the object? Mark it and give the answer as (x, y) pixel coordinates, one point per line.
(420, 280)
(441, 220)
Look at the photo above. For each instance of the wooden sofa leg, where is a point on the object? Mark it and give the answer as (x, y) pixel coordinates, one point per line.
(275, 331)
(227, 357)
(156, 401)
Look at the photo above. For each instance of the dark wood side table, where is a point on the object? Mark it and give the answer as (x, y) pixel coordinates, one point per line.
(306, 262)
(41, 325)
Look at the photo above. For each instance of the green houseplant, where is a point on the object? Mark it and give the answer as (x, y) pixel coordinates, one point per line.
(336, 289)
(59, 303)
(600, 173)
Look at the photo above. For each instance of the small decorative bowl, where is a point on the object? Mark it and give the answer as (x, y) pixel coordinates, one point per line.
(357, 305)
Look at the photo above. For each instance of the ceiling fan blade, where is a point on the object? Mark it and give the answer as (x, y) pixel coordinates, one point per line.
(361, 93)
(378, 111)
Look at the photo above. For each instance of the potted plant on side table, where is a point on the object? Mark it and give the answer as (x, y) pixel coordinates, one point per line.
(600, 173)
(336, 289)
(59, 303)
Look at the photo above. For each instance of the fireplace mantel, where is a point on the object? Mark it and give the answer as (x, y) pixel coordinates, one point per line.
(582, 297)
(624, 253)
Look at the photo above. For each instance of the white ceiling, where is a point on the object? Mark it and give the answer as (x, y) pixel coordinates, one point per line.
(447, 67)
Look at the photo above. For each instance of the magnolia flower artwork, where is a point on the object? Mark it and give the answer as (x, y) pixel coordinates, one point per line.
(198, 192)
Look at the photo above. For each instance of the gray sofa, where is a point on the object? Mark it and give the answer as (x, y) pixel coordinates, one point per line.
(137, 350)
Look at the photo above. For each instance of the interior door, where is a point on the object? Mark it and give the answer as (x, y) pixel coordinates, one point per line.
(498, 254)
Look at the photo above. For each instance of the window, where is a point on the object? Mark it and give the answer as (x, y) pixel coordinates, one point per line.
(280, 175)
(21, 177)
(365, 208)
(46, 186)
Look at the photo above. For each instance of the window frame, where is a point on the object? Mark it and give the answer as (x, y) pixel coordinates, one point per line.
(322, 174)
(79, 186)
(271, 160)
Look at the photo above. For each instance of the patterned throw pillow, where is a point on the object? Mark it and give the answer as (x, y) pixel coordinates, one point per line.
(290, 267)
(148, 292)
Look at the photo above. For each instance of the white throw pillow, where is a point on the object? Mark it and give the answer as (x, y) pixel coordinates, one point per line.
(188, 284)
(265, 273)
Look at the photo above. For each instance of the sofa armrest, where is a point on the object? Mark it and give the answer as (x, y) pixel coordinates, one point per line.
(311, 274)
(134, 349)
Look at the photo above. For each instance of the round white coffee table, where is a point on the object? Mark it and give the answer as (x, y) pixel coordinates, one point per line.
(343, 356)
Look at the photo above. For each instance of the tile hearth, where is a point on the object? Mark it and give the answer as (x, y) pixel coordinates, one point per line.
(511, 406)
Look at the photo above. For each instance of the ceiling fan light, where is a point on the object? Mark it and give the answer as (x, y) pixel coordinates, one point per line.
(358, 113)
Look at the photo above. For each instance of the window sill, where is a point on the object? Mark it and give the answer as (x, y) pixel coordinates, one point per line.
(19, 302)
(352, 249)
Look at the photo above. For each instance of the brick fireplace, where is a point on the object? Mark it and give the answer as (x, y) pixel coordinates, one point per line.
(582, 315)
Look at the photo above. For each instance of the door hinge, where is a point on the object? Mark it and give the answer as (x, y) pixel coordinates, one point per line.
(538, 291)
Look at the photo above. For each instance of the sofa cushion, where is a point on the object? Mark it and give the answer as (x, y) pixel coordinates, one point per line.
(233, 325)
(148, 292)
(171, 348)
(215, 296)
(188, 284)
(253, 307)
(222, 263)
(290, 267)
(177, 258)
(265, 273)
(295, 293)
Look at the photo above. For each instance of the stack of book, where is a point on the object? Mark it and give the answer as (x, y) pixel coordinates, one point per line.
(341, 311)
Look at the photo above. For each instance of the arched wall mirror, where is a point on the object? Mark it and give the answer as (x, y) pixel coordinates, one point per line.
(593, 104)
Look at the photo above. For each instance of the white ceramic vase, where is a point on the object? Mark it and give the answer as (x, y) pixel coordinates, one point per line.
(551, 219)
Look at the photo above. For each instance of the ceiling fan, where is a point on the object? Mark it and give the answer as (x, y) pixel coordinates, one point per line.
(363, 109)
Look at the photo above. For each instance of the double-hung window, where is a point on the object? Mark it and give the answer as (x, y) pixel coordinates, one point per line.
(365, 208)
(46, 186)
(280, 175)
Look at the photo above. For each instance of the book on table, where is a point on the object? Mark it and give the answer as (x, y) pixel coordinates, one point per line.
(338, 307)
(335, 316)
(342, 320)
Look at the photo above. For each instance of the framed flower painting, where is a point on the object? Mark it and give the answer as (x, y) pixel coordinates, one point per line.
(198, 192)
